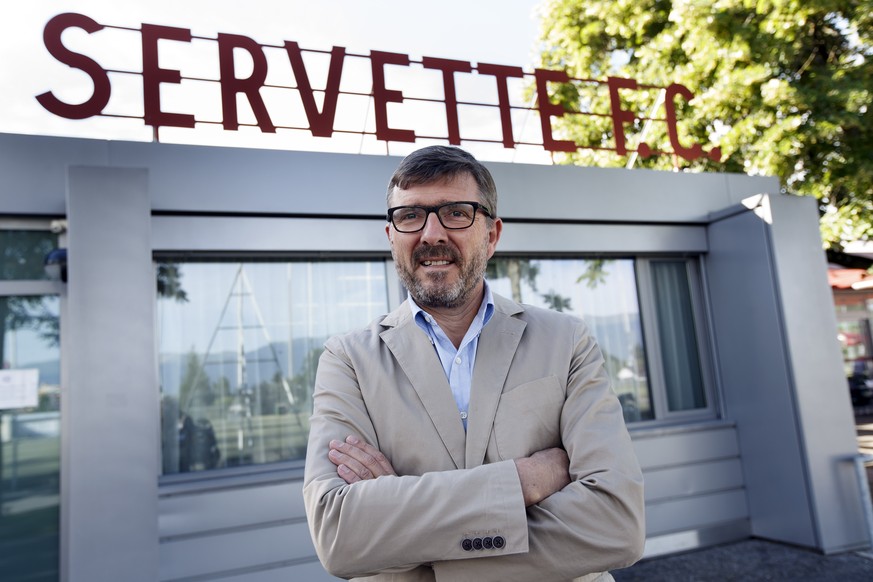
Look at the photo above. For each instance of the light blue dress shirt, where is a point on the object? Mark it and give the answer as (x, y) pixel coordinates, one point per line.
(457, 363)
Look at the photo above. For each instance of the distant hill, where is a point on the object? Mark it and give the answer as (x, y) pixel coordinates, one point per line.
(611, 333)
(49, 371)
(261, 364)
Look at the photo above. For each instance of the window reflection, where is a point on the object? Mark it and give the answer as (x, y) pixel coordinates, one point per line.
(22, 254)
(29, 437)
(239, 346)
(604, 294)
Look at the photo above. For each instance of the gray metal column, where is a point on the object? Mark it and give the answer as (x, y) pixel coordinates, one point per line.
(781, 374)
(755, 378)
(825, 419)
(110, 430)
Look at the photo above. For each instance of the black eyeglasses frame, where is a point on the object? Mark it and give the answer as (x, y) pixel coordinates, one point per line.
(434, 209)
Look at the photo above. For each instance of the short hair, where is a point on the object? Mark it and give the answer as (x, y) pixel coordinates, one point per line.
(434, 163)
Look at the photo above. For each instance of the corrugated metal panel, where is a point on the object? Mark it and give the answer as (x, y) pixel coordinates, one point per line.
(682, 446)
(235, 550)
(308, 572)
(691, 539)
(253, 533)
(696, 512)
(694, 478)
(694, 485)
(198, 513)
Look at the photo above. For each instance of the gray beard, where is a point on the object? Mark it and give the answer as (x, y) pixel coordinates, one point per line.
(440, 295)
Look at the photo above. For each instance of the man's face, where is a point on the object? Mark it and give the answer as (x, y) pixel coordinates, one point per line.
(443, 268)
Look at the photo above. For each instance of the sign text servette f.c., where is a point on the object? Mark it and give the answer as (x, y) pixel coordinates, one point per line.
(321, 123)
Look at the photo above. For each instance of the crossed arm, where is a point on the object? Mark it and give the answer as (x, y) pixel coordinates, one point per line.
(563, 514)
(541, 474)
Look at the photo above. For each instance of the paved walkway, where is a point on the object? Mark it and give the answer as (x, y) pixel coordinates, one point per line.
(752, 560)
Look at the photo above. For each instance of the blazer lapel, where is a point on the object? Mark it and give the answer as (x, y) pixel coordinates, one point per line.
(418, 359)
(497, 345)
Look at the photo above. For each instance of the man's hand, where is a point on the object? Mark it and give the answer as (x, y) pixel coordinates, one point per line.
(543, 473)
(356, 460)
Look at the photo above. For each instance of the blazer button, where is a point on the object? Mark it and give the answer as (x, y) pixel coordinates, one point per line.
(477, 544)
(487, 543)
(498, 542)
(467, 544)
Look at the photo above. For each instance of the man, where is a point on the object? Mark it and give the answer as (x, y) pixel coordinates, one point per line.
(464, 436)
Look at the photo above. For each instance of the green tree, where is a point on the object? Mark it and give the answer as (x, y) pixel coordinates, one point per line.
(272, 394)
(556, 301)
(783, 87)
(516, 270)
(169, 280)
(303, 382)
(595, 273)
(21, 258)
(195, 390)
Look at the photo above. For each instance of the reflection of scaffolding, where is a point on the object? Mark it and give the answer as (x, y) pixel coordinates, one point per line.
(241, 289)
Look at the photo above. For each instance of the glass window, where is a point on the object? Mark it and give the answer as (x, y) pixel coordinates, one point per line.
(29, 435)
(22, 254)
(680, 357)
(856, 341)
(604, 294)
(238, 347)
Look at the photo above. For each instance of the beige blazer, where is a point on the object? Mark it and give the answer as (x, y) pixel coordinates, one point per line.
(455, 511)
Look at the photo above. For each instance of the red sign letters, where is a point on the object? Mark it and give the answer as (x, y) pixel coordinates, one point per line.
(321, 122)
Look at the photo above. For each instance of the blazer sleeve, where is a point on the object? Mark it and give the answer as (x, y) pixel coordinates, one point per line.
(597, 522)
(396, 523)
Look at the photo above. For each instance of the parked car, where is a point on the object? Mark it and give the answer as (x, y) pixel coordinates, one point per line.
(861, 383)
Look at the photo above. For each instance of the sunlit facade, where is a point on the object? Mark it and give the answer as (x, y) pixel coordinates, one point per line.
(166, 429)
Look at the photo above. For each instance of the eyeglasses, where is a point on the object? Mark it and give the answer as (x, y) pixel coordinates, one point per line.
(453, 215)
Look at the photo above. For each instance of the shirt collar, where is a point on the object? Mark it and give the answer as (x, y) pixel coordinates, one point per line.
(483, 316)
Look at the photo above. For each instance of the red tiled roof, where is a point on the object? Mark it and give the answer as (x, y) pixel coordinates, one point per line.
(844, 278)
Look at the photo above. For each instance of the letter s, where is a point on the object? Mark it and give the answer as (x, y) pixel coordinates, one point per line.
(102, 89)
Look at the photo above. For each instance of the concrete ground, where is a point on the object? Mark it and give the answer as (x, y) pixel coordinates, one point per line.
(752, 560)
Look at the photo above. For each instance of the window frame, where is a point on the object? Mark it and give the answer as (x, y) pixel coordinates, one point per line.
(33, 286)
(183, 236)
(699, 310)
(54, 289)
(282, 470)
(694, 269)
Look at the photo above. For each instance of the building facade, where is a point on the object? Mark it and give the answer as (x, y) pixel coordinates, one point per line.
(175, 341)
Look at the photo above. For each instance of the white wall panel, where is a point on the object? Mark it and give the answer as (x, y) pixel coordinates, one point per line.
(199, 512)
(677, 446)
(696, 512)
(235, 550)
(297, 572)
(693, 479)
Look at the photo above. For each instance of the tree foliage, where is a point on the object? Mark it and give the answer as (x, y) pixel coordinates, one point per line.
(21, 258)
(783, 87)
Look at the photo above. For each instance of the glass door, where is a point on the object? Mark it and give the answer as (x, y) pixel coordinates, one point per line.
(30, 397)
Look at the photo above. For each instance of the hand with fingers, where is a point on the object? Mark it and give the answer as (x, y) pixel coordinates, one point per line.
(541, 474)
(356, 460)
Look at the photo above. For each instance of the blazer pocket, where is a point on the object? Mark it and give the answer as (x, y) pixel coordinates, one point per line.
(528, 418)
